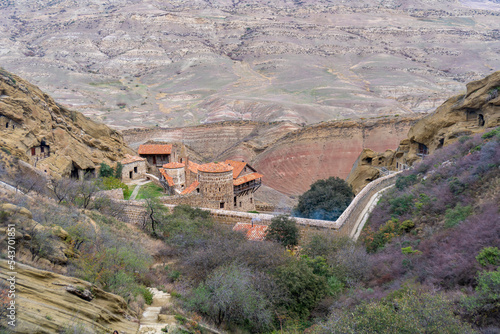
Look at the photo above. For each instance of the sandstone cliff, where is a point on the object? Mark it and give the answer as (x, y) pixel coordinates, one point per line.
(467, 114)
(44, 304)
(36, 129)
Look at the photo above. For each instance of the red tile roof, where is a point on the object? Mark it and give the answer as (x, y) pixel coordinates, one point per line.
(155, 149)
(254, 233)
(191, 188)
(167, 177)
(247, 178)
(237, 165)
(172, 165)
(214, 167)
(193, 166)
(130, 158)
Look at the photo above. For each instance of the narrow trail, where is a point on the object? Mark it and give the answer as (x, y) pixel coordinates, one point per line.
(152, 322)
(136, 190)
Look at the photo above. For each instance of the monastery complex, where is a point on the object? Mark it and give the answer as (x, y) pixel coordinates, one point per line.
(228, 185)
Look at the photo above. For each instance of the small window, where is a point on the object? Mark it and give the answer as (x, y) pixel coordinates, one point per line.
(222, 205)
(33, 151)
(135, 169)
(235, 201)
(251, 200)
(130, 175)
(198, 190)
(240, 204)
(7, 125)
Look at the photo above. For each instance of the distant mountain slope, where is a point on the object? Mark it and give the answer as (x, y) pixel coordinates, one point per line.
(132, 63)
(60, 141)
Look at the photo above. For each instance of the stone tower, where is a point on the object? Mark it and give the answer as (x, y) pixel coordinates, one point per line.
(216, 185)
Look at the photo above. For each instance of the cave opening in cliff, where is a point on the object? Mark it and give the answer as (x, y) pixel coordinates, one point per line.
(480, 119)
(441, 143)
(422, 149)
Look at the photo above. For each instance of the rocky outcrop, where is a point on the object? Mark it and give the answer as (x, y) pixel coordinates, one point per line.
(467, 114)
(57, 140)
(45, 305)
(49, 245)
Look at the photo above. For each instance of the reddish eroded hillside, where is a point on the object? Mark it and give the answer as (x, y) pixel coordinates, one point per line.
(316, 152)
(290, 156)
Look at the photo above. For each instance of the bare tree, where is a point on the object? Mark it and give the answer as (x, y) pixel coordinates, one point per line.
(63, 189)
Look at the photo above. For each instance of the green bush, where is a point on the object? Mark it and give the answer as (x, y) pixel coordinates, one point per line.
(491, 134)
(457, 215)
(110, 182)
(405, 181)
(489, 256)
(106, 170)
(147, 294)
(304, 288)
(284, 230)
(326, 199)
(402, 204)
(413, 313)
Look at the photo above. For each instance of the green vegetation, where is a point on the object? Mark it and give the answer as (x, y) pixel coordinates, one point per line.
(284, 230)
(489, 256)
(326, 199)
(150, 190)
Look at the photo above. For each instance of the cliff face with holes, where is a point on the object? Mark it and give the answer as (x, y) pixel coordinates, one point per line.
(473, 112)
(36, 129)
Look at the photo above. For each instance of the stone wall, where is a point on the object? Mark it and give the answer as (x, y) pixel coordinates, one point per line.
(244, 202)
(347, 221)
(136, 169)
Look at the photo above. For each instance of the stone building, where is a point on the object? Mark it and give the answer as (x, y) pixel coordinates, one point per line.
(133, 167)
(39, 152)
(157, 154)
(228, 185)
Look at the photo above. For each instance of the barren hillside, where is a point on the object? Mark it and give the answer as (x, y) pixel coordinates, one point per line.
(131, 63)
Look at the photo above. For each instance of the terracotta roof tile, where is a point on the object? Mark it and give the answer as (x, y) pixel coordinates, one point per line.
(155, 149)
(191, 188)
(214, 167)
(167, 177)
(237, 165)
(254, 233)
(193, 166)
(172, 165)
(131, 158)
(247, 178)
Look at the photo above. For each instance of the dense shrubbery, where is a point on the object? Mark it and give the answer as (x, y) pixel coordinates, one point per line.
(326, 199)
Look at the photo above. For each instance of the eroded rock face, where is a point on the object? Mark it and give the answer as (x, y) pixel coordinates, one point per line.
(45, 306)
(290, 156)
(317, 152)
(36, 129)
(473, 112)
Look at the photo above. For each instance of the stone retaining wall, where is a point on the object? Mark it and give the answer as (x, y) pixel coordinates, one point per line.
(349, 217)
(135, 212)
